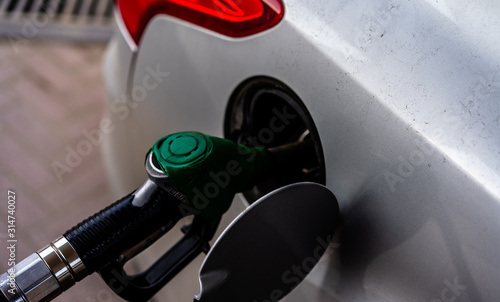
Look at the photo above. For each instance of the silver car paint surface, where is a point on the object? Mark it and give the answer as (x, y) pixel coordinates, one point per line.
(406, 99)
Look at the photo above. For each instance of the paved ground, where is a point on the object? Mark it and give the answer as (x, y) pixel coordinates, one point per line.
(49, 93)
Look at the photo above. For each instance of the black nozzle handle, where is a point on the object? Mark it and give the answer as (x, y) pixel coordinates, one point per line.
(103, 237)
(143, 286)
(104, 240)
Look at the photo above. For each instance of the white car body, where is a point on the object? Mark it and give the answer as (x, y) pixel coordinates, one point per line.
(405, 96)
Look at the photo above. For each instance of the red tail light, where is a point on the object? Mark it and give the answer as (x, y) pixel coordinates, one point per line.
(234, 18)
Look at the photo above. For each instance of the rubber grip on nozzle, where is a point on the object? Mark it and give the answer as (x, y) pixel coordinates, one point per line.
(102, 237)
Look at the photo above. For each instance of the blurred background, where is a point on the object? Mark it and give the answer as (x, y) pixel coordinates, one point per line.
(51, 92)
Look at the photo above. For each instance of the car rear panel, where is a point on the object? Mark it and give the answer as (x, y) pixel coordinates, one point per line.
(405, 99)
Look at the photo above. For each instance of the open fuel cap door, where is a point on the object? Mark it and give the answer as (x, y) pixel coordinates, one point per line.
(270, 247)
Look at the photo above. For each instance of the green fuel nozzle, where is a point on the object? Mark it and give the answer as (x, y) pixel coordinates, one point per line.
(189, 173)
(209, 170)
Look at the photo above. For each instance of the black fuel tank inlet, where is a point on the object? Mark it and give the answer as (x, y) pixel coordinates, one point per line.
(265, 112)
